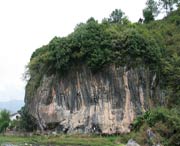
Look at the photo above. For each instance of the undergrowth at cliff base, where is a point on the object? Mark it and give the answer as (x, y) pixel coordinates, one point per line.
(164, 124)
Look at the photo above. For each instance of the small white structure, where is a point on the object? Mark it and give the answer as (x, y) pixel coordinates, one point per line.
(15, 116)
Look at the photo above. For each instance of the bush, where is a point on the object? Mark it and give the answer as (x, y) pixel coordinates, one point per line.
(4, 120)
(27, 122)
(165, 123)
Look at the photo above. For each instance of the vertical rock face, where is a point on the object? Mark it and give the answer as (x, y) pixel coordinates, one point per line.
(104, 102)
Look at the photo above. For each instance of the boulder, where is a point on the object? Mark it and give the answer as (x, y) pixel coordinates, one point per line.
(131, 142)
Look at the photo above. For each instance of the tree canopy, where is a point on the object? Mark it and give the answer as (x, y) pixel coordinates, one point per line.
(95, 45)
(151, 11)
(116, 16)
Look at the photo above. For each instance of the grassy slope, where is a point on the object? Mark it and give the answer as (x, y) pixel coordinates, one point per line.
(71, 140)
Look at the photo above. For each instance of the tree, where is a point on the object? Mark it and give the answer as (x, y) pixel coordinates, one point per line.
(152, 5)
(4, 120)
(116, 16)
(151, 11)
(168, 5)
(148, 16)
(27, 122)
(171, 73)
(133, 48)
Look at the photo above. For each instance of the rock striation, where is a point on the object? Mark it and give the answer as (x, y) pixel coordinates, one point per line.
(85, 102)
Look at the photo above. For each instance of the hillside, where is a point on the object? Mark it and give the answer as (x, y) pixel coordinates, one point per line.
(102, 76)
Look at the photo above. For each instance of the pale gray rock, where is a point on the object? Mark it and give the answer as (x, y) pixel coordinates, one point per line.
(152, 138)
(131, 142)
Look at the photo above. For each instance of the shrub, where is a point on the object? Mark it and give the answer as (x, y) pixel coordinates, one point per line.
(4, 120)
(165, 123)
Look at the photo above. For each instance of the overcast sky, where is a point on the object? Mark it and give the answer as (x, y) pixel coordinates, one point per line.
(26, 25)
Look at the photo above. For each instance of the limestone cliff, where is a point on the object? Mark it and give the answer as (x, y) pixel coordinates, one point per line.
(103, 102)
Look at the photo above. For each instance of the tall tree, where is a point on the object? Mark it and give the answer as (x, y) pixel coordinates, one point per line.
(116, 16)
(171, 73)
(153, 6)
(148, 16)
(27, 122)
(168, 5)
(151, 11)
(4, 120)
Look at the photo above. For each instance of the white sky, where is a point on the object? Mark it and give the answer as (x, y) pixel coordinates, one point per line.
(26, 25)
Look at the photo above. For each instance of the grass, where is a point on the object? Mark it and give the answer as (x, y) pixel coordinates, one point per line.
(63, 140)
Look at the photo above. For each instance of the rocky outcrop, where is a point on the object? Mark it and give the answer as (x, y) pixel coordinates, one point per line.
(131, 142)
(102, 102)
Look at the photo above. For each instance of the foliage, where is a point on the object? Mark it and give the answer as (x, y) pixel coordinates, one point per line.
(116, 16)
(168, 32)
(164, 122)
(148, 16)
(155, 7)
(152, 5)
(4, 120)
(168, 5)
(61, 140)
(135, 48)
(14, 125)
(151, 11)
(171, 71)
(26, 121)
(95, 45)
